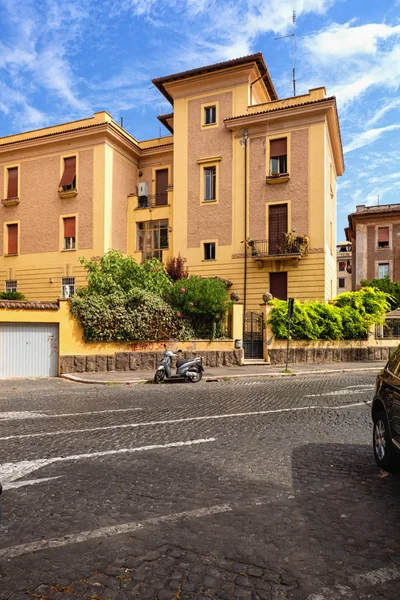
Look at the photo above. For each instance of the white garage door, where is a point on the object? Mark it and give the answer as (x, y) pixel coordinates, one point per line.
(28, 350)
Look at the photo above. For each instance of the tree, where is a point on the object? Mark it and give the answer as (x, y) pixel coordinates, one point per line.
(392, 288)
(176, 269)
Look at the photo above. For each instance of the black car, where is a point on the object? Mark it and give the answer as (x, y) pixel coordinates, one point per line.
(386, 415)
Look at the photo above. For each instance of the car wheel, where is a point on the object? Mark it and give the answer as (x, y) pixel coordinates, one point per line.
(384, 451)
(159, 376)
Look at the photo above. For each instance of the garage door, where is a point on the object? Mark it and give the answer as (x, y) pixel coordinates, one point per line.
(28, 350)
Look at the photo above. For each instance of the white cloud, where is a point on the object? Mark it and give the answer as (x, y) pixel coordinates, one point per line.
(392, 104)
(367, 137)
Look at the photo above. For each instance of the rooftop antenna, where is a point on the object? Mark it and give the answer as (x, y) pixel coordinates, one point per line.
(122, 122)
(378, 199)
(292, 35)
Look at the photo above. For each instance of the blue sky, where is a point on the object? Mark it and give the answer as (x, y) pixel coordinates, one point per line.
(64, 60)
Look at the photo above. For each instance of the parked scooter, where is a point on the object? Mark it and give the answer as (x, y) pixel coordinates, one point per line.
(186, 370)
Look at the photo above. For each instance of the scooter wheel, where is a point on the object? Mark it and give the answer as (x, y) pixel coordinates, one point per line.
(196, 379)
(159, 376)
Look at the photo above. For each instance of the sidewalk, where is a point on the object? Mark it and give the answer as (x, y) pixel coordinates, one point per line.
(227, 373)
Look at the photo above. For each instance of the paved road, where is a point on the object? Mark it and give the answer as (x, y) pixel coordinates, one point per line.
(233, 490)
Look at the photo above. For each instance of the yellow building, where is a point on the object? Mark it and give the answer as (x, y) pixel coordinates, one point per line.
(240, 170)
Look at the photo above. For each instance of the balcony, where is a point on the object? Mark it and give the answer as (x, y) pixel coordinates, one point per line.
(291, 247)
(10, 201)
(153, 200)
(273, 178)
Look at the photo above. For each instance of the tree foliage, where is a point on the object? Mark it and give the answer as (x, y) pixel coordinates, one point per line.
(392, 288)
(176, 269)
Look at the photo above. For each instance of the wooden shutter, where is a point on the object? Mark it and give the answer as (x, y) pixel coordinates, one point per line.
(12, 238)
(161, 187)
(278, 285)
(12, 189)
(69, 171)
(277, 226)
(69, 227)
(278, 147)
(383, 234)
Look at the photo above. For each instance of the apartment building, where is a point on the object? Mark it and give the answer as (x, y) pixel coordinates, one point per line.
(239, 171)
(374, 232)
(343, 255)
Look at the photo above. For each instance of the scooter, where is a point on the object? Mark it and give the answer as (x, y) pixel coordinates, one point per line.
(186, 370)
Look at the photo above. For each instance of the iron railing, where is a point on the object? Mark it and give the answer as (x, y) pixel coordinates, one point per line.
(388, 331)
(264, 248)
(152, 200)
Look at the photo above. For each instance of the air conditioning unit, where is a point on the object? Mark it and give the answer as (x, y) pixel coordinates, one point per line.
(142, 189)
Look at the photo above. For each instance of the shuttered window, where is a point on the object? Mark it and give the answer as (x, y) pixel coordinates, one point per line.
(68, 180)
(69, 233)
(383, 237)
(278, 156)
(12, 188)
(12, 235)
(277, 227)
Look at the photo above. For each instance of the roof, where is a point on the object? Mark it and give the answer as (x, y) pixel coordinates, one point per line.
(164, 120)
(393, 314)
(28, 304)
(258, 58)
(265, 112)
(367, 211)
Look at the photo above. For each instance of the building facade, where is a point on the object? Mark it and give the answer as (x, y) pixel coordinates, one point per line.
(241, 179)
(344, 278)
(374, 232)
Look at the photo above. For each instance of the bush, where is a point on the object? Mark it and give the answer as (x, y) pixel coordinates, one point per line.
(11, 296)
(203, 302)
(392, 288)
(115, 273)
(176, 269)
(137, 315)
(349, 316)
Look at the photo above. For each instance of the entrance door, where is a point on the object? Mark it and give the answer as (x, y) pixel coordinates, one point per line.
(277, 226)
(278, 285)
(28, 350)
(161, 187)
(253, 335)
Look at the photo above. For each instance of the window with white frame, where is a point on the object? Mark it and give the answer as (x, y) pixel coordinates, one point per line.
(152, 238)
(68, 287)
(210, 115)
(210, 183)
(383, 270)
(209, 251)
(11, 285)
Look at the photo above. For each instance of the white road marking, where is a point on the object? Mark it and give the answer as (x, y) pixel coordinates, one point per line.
(11, 416)
(362, 580)
(84, 536)
(18, 484)
(337, 393)
(176, 421)
(9, 472)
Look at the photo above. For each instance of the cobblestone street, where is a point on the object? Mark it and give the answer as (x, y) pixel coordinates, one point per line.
(246, 489)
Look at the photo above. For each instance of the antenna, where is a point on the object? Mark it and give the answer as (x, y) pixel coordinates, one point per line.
(292, 35)
(122, 122)
(378, 199)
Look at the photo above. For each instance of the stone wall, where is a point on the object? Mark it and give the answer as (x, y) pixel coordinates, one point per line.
(323, 355)
(133, 361)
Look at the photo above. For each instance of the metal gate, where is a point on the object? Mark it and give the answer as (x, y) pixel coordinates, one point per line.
(28, 350)
(253, 335)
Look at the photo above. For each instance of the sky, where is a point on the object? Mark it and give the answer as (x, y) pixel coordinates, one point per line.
(61, 61)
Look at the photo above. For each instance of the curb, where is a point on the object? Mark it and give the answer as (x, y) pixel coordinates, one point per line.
(223, 377)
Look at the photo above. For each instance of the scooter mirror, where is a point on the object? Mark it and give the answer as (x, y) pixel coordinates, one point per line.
(179, 350)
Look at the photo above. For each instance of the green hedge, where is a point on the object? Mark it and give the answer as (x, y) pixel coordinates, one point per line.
(348, 316)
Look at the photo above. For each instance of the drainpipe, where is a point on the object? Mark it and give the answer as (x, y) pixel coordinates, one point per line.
(243, 142)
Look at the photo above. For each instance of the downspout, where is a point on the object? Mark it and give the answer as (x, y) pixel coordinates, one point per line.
(245, 140)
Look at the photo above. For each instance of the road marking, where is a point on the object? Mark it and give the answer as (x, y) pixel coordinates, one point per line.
(84, 536)
(11, 416)
(359, 581)
(18, 484)
(9, 472)
(176, 421)
(338, 393)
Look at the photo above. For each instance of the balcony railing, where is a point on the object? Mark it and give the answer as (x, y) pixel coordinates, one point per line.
(153, 200)
(258, 249)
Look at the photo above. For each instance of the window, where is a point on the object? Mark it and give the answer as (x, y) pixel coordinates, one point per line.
(277, 227)
(152, 238)
(68, 287)
(383, 270)
(278, 156)
(68, 180)
(383, 237)
(210, 183)
(342, 265)
(209, 251)
(69, 233)
(11, 285)
(12, 187)
(12, 235)
(342, 282)
(210, 115)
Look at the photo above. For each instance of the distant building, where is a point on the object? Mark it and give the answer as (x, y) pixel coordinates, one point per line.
(343, 261)
(374, 233)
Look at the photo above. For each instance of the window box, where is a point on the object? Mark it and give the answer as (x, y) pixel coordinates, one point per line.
(67, 193)
(277, 178)
(10, 201)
